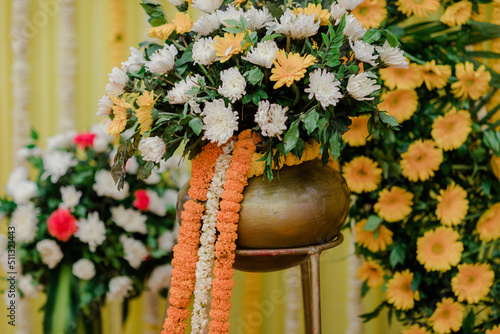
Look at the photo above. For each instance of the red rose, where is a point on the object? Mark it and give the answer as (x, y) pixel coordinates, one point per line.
(62, 224)
(141, 200)
(84, 139)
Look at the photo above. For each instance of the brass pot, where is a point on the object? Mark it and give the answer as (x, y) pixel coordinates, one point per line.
(304, 205)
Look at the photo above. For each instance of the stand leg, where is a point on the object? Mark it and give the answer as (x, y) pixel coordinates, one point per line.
(306, 295)
(316, 299)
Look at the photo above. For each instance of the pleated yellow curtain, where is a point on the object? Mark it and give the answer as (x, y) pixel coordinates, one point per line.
(96, 38)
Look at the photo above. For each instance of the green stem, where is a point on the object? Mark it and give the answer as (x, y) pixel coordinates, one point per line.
(204, 69)
(469, 253)
(494, 125)
(297, 94)
(489, 115)
(414, 59)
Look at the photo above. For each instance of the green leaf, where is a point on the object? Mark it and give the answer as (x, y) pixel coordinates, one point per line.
(372, 35)
(269, 37)
(273, 9)
(155, 12)
(34, 134)
(232, 30)
(468, 324)
(145, 170)
(233, 23)
(197, 125)
(311, 121)
(388, 119)
(291, 136)
(492, 140)
(335, 144)
(372, 223)
(254, 76)
(398, 254)
(391, 38)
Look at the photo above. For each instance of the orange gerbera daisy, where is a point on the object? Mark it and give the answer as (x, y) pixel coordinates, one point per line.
(182, 22)
(452, 205)
(451, 130)
(229, 45)
(415, 329)
(473, 282)
(146, 103)
(289, 68)
(119, 121)
(402, 78)
(372, 273)
(421, 160)
(457, 14)
(488, 225)
(399, 291)
(362, 174)
(495, 166)
(494, 330)
(161, 32)
(371, 13)
(311, 9)
(470, 83)
(394, 204)
(399, 103)
(420, 8)
(435, 76)
(439, 249)
(367, 238)
(447, 316)
(357, 135)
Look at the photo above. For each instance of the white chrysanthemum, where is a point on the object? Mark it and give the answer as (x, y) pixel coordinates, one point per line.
(70, 197)
(258, 18)
(207, 24)
(56, 164)
(119, 288)
(176, 2)
(230, 13)
(207, 6)
(297, 26)
(132, 166)
(20, 187)
(105, 186)
(104, 106)
(337, 12)
(61, 140)
(135, 251)
(152, 149)
(27, 287)
(24, 153)
(157, 204)
(393, 57)
(50, 252)
(194, 107)
(349, 4)
(25, 220)
(134, 62)
(353, 29)
(162, 61)
(219, 121)
(179, 94)
(91, 231)
(204, 52)
(167, 241)
(117, 81)
(233, 84)
(360, 86)
(263, 54)
(363, 52)
(271, 118)
(83, 269)
(129, 219)
(324, 87)
(102, 138)
(160, 278)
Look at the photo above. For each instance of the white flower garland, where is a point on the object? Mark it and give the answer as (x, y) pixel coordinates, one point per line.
(293, 288)
(354, 300)
(150, 315)
(20, 77)
(67, 65)
(199, 320)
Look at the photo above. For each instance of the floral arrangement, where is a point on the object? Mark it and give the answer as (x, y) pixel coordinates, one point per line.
(247, 88)
(81, 240)
(426, 201)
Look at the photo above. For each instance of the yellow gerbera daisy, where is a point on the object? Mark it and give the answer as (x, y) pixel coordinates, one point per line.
(146, 103)
(473, 282)
(182, 22)
(367, 238)
(399, 103)
(495, 166)
(420, 8)
(371, 13)
(372, 273)
(451, 130)
(447, 316)
(357, 135)
(435, 76)
(415, 329)
(421, 160)
(229, 45)
(488, 225)
(362, 174)
(161, 32)
(452, 205)
(402, 78)
(394, 204)
(289, 68)
(494, 330)
(399, 291)
(457, 14)
(470, 83)
(119, 121)
(439, 249)
(311, 9)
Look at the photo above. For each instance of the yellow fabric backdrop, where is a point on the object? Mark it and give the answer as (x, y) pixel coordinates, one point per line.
(94, 62)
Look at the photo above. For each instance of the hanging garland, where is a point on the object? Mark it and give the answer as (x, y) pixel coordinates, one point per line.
(293, 299)
(354, 300)
(118, 27)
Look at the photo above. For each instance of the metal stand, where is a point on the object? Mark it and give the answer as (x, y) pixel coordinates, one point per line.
(310, 269)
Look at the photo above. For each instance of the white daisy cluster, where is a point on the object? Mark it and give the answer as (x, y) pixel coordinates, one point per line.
(263, 54)
(162, 61)
(219, 121)
(233, 84)
(297, 26)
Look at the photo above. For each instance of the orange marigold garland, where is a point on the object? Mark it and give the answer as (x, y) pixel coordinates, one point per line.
(186, 250)
(227, 225)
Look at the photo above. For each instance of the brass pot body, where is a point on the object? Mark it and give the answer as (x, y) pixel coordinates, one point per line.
(304, 205)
